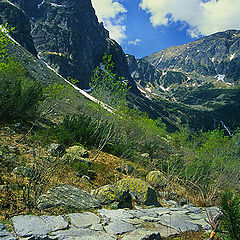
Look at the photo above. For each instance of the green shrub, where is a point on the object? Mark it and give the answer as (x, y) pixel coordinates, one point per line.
(19, 95)
(230, 207)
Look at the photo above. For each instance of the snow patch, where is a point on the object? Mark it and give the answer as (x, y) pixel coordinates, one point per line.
(164, 89)
(232, 56)
(56, 5)
(133, 73)
(160, 59)
(212, 59)
(220, 77)
(148, 89)
(39, 5)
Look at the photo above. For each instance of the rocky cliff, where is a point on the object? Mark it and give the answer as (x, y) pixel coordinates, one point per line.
(67, 35)
(214, 55)
(147, 75)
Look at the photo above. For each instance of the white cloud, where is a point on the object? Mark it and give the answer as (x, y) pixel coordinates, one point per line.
(112, 14)
(203, 17)
(135, 42)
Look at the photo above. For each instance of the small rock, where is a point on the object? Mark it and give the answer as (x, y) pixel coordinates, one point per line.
(56, 149)
(115, 228)
(2, 227)
(86, 177)
(83, 220)
(145, 155)
(127, 169)
(142, 234)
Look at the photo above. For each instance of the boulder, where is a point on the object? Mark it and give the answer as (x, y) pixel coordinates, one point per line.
(29, 225)
(56, 149)
(67, 196)
(76, 154)
(138, 189)
(157, 179)
(143, 192)
(105, 194)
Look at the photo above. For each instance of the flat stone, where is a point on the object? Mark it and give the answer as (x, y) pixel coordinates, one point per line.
(68, 196)
(25, 226)
(142, 234)
(161, 211)
(149, 219)
(72, 233)
(103, 236)
(5, 235)
(180, 222)
(115, 215)
(204, 225)
(165, 231)
(144, 212)
(83, 220)
(96, 227)
(133, 221)
(115, 228)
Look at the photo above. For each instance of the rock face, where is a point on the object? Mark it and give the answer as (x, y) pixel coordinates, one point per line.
(16, 18)
(147, 75)
(217, 54)
(67, 35)
(69, 197)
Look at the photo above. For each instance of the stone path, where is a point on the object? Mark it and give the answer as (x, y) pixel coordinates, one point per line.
(120, 224)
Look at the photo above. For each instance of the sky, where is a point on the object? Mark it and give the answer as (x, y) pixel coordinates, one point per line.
(143, 27)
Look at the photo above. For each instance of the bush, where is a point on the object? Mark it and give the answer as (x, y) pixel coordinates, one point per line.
(230, 207)
(19, 95)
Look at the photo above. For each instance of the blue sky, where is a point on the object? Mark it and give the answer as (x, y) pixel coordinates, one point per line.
(143, 27)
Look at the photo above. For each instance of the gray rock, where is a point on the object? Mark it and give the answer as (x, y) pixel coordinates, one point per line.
(2, 227)
(83, 220)
(144, 213)
(68, 196)
(180, 222)
(127, 169)
(5, 235)
(102, 236)
(115, 215)
(25, 226)
(115, 228)
(72, 233)
(142, 234)
(56, 149)
(134, 221)
(165, 231)
(96, 227)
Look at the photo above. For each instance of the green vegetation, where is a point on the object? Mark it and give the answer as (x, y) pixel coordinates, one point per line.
(230, 224)
(19, 94)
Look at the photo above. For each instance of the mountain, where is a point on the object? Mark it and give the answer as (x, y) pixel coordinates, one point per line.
(66, 34)
(196, 83)
(217, 55)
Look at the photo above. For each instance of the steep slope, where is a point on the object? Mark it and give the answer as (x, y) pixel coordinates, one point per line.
(217, 55)
(67, 35)
(148, 75)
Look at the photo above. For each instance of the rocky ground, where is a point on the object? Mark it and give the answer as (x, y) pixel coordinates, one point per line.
(139, 224)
